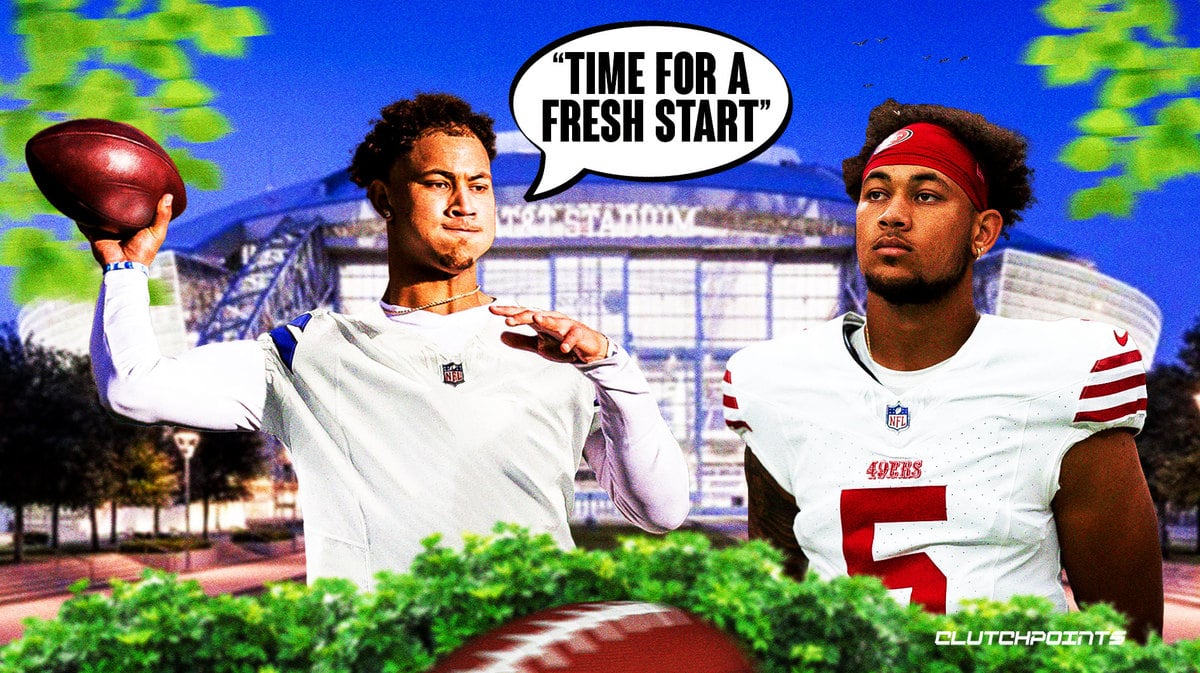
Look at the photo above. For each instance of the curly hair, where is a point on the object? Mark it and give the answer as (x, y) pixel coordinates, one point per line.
(999, 151)
(405, 121)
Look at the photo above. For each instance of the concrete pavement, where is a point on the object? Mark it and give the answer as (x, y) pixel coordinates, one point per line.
(233, 579)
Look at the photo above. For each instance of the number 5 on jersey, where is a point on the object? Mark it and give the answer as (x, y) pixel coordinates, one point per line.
(862, 508)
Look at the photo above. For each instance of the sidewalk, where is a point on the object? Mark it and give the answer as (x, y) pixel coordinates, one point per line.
(1181, 583)
(234, 579)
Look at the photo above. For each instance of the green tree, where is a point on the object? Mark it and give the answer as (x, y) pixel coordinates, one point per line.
(1170, 440)
(131, 64)
(90, 466)
(32, 428)
(223, 464)
(1145, 127)
(146, 476)
(1175, 425)
(59, 442)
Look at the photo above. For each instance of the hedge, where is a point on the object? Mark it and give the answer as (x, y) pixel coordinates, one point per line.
(162, 625)
(264, 534)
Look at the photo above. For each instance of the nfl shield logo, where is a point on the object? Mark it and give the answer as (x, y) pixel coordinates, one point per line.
(897, 417)
(452, 373)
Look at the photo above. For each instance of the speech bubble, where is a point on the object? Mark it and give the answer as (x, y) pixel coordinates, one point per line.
(649, 101)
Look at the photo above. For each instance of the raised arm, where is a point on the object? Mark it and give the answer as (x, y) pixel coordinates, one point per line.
(216, 387)
(1108, 530)
(635, 456)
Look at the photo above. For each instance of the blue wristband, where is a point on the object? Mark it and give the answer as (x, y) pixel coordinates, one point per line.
(127, 265)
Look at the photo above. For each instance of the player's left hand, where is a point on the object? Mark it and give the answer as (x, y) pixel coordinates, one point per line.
(559, 338)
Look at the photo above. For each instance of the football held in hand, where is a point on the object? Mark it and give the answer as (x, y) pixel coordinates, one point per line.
(103, 174)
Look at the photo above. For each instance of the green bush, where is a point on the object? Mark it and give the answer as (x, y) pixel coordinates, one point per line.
(162, 545)
(263, 534)
(36, 538)
(161, 625)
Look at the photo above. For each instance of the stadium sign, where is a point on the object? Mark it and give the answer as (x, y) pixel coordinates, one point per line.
(596, 220)
(654, 220)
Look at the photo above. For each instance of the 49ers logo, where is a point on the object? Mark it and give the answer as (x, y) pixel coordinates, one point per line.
(894, 469)
(893, 140)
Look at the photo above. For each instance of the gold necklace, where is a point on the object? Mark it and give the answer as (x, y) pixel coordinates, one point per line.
(393, 313)
(867, 336)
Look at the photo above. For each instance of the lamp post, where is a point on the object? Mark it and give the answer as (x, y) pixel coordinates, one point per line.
(187, 441)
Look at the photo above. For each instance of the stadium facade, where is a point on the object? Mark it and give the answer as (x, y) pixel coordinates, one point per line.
(682, 273)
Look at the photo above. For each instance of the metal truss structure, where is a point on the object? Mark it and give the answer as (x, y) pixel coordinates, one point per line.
(289, 273)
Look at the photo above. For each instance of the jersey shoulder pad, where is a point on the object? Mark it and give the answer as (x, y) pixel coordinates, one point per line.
(1113, 389)
(1099, 366)
(775, 369)
(285, 338)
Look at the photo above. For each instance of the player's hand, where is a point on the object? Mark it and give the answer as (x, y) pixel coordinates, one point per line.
(559, 338)
(139, 247)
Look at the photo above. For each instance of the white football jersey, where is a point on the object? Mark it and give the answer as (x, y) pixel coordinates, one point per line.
(944, 492)
(394, 440)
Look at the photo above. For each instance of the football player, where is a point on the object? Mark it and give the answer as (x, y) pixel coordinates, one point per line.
(954, 455)
(444, 411)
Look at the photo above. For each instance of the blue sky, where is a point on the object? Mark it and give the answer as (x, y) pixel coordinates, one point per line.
(303, 97)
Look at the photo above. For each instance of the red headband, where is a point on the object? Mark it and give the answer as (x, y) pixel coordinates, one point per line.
(932, 146)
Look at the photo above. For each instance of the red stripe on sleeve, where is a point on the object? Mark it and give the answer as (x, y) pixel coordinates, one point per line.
(728, 377)
(735, 425)
(729, 401)
(1111, 413)
(1114, 361)
(1102, 389)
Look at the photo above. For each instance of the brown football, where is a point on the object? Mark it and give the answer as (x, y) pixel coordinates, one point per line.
(103, 174)
(612, 637)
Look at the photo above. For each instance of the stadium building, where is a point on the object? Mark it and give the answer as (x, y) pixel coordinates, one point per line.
(683, 273)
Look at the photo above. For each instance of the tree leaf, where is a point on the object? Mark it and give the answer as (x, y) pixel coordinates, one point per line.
(1107, 122)
(128, 6)
(18, 127)
(1127, 89)
(200, 173)
(181, 93)
(1158, 16)
(245, 22)
(161, 60)
(1182, 114)
(201, 124)
(1067, 14)
(1078, 68)
(20, 199)
(1047, 50)
(108, 94)
(225, 31)
(1111, 196)
(48, 268)
(1146, 163)
(1088, 154)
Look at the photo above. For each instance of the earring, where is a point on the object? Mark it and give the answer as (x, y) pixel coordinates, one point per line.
(979, 252)
(387, 214)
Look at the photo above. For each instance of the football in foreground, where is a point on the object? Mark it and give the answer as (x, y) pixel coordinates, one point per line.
(103, 174)
(611, 637)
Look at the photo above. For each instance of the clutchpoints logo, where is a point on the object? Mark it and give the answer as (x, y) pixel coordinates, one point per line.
(1029, 638)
